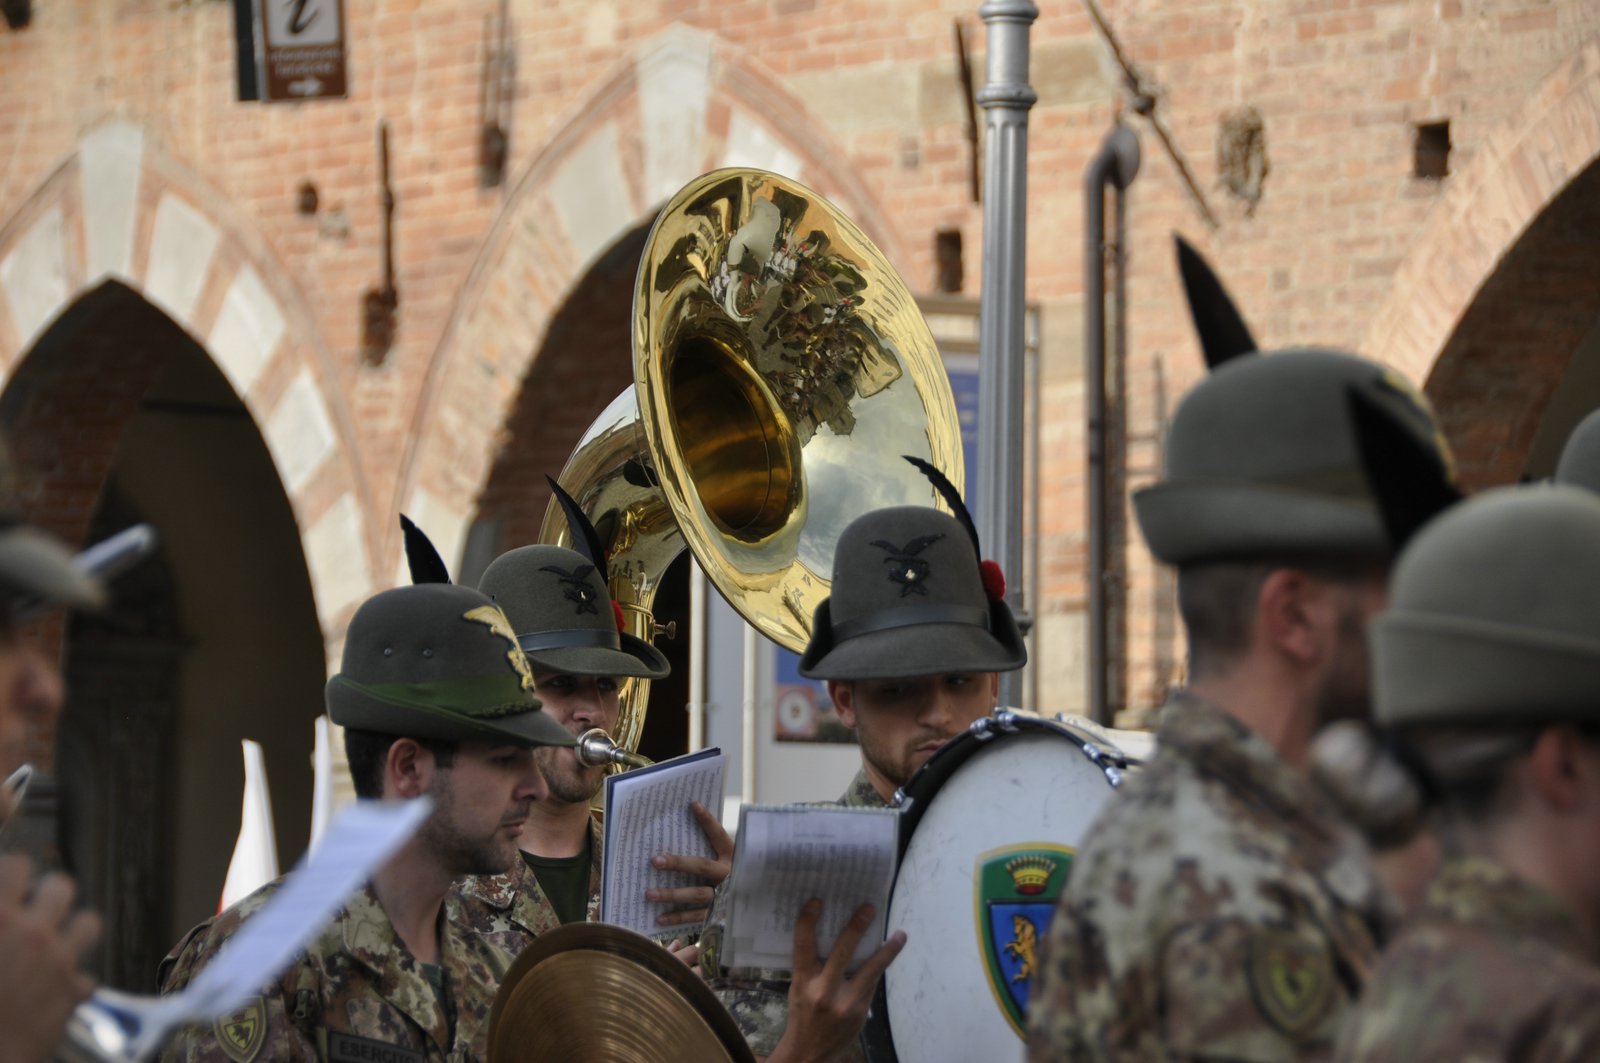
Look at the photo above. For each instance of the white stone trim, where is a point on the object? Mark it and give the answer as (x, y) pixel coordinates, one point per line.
(336, 555)
(34, 276)
(752, 143)
(110, 165)
(247, 330)
(674, 79)
(182, 245)
(299, 432)
(590, 196)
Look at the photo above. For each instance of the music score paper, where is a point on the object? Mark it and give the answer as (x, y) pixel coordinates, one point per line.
(647, 815)
(788, 854)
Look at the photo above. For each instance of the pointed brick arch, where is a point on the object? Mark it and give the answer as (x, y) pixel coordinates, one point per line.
(120, 209)
(683, 105)
(1510, 181)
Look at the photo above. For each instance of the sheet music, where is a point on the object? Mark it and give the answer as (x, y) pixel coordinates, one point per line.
(647, 814)
(788, 854)
(360, 839)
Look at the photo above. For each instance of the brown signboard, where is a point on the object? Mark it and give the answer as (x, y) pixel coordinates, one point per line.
(302, 49)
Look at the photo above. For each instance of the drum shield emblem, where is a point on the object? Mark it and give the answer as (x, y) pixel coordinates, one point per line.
(1017, 891)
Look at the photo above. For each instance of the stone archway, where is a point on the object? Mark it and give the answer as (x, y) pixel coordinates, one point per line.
(120, 209)
(687, 104)
(1504, 284)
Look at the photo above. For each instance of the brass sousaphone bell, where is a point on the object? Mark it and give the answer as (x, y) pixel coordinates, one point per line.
(780, 369)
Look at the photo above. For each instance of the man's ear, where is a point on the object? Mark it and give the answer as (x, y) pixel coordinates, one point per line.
(843, 695)
(1557, 768)
(994, 690)
(1288, 614)
(407, 770)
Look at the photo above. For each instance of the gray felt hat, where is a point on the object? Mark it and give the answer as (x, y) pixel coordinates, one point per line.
(1265, 459)
(439, 661)
(1492, 613)
(563, 615)
(909, 600)
(1580, 458)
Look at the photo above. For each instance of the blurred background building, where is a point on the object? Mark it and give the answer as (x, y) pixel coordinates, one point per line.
(198, 327)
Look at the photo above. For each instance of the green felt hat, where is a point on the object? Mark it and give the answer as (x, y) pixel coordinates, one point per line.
(1580, 458)
(909, 600)
(1267, 457)
(438, 661)
(558, 605)
(1492, 614)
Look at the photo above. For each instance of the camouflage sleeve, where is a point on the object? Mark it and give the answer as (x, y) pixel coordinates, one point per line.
(759, 1006)
(1234, 990)
(259, 1032)
(1072, 974)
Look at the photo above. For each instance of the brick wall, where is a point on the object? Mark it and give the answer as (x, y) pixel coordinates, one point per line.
(863, 98)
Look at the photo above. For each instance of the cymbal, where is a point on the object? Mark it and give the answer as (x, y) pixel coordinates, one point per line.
(592, 991)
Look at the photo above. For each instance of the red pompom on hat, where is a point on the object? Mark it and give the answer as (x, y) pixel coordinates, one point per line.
(994, 580)
(616, 611)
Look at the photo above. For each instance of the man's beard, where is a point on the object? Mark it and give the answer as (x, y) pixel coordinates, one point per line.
(1346, 691)
(569, 781)
(895, 764)
(460, 853)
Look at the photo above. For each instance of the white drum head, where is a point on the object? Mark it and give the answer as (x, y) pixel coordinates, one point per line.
(976, 890)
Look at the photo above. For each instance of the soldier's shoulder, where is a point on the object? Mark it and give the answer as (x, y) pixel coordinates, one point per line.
(196, 948)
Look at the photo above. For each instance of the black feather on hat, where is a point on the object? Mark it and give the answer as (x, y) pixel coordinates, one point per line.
(1221, 328)
(421, 557)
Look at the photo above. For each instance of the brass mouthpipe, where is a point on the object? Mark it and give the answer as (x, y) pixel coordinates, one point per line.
(596, 749)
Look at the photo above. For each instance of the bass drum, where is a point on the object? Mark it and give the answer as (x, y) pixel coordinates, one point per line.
(988, 830)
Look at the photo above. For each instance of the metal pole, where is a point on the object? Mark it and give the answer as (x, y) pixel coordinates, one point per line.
(1005, 98)
(1115, 163)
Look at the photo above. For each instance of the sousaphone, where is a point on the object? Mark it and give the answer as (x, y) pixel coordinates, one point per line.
(780, 369)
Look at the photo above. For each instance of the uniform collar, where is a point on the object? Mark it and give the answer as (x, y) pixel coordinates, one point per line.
(1478, 892)
(1246, 765)
(862, 794)
(397, 976)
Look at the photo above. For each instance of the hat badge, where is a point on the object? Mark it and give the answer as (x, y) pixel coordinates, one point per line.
(905, 567)
(575, 586)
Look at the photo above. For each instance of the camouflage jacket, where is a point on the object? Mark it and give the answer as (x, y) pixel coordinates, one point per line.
(759, 1000)
(355, 993)
(511, 910)
(1218, 909)
(1491, 968)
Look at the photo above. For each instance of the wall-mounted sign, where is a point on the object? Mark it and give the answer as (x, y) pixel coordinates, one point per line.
(302, 49)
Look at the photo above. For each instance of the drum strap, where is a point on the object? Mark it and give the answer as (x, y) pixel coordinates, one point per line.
(910, 616)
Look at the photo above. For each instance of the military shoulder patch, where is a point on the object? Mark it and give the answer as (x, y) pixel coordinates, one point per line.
(241, 1034)
(1292, 980)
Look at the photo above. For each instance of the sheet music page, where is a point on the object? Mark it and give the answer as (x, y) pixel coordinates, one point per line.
(358, 841)
(647, 814)
(787, 854)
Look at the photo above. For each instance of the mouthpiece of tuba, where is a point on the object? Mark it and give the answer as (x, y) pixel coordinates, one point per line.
(596, 749)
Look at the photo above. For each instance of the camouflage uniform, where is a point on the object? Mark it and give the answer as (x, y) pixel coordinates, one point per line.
(1492, 968)
(511, 910)
(1217, 910)
(355, 993)
(758, 1000)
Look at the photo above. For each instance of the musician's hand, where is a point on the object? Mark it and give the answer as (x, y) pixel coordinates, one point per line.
(41, 944)
(827, 1006)
(698, 898)
(689, 954)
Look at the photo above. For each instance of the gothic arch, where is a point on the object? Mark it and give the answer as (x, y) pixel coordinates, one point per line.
(684, 104)
(120, 209)
(1552, 139)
